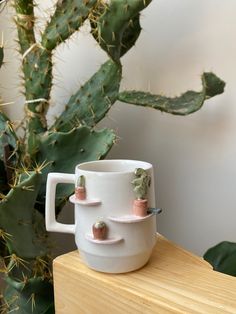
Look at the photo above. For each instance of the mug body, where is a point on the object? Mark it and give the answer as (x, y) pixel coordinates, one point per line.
(109, 198)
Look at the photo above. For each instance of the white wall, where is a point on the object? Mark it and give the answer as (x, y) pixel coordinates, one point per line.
(194, 156)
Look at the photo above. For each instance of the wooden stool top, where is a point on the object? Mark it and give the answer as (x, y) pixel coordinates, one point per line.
(174, 281)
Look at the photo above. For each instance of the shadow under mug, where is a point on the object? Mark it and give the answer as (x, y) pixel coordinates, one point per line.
(109, 198)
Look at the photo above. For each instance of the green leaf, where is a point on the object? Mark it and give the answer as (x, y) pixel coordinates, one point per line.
(92, 101)
(223, 257)
(185, 104)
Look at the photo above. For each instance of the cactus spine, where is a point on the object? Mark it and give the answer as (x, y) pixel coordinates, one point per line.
(25, 160)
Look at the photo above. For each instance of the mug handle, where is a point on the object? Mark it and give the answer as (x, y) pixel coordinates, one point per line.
(50, 215)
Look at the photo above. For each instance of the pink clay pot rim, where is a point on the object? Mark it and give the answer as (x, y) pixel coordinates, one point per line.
(140, 200)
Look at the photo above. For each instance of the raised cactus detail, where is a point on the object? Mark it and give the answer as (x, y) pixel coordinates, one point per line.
(81, 182)
(99, 229)
(80, 191)
(27, 156)
(141, 183)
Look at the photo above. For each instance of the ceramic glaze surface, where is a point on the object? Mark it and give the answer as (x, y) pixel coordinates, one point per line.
(108, 182)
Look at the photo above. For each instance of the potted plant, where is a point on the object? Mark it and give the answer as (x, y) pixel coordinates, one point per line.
(28, 153)
(141, 183)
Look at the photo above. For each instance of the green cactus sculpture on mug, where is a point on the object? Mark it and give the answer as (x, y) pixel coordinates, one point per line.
(80, 191)
(141, 183)
(99, 229)
(26, 157)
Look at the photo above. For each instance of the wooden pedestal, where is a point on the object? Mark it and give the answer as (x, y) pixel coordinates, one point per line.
(174, 281)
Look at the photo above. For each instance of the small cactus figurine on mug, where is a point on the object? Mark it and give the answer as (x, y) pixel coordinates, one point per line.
(141, 184)
(100, 230)
(80, 191)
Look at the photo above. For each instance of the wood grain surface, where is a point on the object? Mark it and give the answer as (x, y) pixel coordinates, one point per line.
(174, 281)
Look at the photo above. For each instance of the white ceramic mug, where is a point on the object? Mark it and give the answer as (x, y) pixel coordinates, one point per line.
(109, 197)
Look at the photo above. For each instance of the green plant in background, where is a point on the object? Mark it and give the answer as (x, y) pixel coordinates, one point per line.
(26, 159)
(222, 257)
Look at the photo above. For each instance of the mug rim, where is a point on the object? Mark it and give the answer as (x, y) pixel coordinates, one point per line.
(143, 164)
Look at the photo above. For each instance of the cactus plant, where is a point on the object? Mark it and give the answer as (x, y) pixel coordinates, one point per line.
(28, 156)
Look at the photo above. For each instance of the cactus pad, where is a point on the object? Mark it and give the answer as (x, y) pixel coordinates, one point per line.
(19, 219)
(37, 68)
(77, 146)
(187, 103)
(68, 17)
(90, 104)
(115, 25)
(35, 295)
